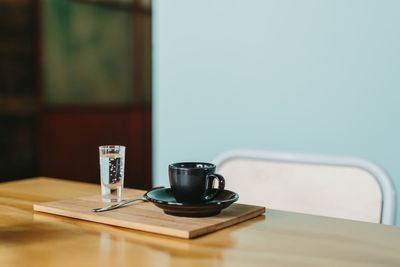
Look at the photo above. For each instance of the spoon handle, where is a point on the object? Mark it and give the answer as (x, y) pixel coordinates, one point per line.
(117, 205)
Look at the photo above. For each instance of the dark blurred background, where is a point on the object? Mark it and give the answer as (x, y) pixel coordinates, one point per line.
(74, 75)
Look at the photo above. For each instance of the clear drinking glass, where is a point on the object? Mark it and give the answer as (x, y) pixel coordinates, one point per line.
(112, 167)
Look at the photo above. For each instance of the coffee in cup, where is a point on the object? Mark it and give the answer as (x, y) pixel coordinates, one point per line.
(192, 182)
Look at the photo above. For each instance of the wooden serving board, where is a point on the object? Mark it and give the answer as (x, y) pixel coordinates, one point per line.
(145, 216)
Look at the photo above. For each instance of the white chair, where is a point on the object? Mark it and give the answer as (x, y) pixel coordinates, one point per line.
(335, 186)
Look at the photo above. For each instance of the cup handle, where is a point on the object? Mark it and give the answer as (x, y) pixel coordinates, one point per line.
(221, 185)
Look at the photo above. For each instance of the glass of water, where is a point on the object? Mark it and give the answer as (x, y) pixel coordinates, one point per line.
(112, 167)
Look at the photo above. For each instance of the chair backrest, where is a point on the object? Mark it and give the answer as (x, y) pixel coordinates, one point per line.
(335, 186)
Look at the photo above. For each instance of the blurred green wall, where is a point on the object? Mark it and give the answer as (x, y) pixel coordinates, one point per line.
(87, 51)
(304, 76)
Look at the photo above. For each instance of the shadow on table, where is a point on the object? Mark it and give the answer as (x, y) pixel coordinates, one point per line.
(35, 232)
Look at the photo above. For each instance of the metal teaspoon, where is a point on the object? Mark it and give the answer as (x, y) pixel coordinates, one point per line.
(115, 206)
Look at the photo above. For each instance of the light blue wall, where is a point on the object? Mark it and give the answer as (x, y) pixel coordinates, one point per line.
(304, 76)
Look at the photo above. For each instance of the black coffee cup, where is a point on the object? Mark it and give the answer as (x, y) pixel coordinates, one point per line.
(192, 182)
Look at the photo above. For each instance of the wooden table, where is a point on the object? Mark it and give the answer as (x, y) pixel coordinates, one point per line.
(277, 238)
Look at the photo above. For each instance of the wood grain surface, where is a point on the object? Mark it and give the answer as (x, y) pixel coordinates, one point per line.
(145, 216)
(278, 238)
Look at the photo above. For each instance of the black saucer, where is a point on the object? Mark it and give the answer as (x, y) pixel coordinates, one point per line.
(164, 199)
